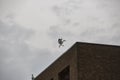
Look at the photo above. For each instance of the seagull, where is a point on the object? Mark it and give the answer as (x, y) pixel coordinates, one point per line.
(60, 42)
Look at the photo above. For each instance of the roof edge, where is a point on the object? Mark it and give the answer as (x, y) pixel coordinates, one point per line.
(76, 45)
(91, 43)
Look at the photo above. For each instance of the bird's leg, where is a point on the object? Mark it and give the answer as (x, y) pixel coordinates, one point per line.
(59, 46)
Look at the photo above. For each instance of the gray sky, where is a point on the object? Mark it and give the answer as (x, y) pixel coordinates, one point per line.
(29, 30)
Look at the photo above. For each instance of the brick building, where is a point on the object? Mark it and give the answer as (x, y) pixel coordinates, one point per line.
(85, 61)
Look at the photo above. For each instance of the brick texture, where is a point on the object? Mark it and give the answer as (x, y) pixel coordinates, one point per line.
(87, 61)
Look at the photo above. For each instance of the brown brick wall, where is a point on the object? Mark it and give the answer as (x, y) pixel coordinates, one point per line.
(87, 62)
(98, 62)
(69, 58)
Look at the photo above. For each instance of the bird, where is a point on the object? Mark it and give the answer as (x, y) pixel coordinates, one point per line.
(32, 77)
(60, 42)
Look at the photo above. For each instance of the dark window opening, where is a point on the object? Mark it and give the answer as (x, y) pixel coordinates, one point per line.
(51, 79)
(65, 74)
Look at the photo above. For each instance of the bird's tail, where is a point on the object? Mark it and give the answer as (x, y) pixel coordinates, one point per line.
(64, 40)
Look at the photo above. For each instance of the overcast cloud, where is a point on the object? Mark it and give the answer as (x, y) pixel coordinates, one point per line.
(29, 30)
(18, 60)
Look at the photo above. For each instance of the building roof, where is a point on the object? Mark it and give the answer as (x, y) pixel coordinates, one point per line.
(77, 46)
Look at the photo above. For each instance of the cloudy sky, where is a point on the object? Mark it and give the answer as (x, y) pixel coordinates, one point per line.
(29, 30)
